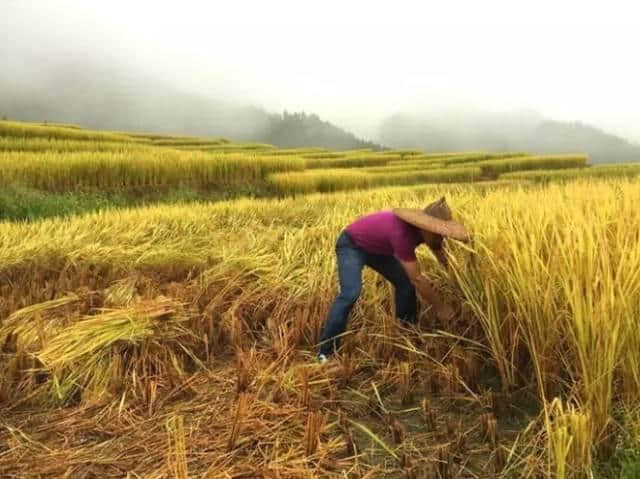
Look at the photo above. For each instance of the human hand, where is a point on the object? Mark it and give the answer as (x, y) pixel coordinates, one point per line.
(445, 312)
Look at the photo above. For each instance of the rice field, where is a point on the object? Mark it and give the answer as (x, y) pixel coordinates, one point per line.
(354, 160)
(460, 158)
(496, 167)
(405, 166)
(32, 130)
(294, 151)
(600, 171)
(144, 169)
(49, 145)
(329, 180)
(179, 340)
(227, 147)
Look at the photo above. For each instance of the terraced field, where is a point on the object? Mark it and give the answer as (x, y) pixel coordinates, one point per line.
(161, 300)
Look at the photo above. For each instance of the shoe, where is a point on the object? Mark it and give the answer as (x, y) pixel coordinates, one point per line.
(322, 358)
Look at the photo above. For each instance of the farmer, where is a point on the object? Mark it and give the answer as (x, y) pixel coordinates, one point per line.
(386, 242)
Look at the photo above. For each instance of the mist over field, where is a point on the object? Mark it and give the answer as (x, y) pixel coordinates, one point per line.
(541, 88)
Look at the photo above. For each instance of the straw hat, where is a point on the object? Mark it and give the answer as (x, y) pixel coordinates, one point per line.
(435, 218)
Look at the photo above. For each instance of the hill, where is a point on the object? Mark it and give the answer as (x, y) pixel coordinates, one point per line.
(511, 131)
(97, 96)
(291, 130)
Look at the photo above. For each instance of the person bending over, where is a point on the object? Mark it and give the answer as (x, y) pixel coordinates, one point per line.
(385, 241)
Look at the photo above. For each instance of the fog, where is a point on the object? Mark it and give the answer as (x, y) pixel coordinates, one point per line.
(355, 65)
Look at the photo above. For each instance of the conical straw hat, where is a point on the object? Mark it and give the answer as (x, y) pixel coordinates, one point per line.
(436, 218)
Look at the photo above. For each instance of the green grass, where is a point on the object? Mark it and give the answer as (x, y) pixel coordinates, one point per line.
(18, 203)
(624, 461)
(26, 204)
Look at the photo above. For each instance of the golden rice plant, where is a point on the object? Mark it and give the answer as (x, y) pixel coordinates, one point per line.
(343, 179)
(155, 136)
(403, 166)
(544, 162)
(471, 157)
(324, 155)
(241, 411)
(570, 441)
(293, 151)
(444, 157)
(312, 432)
(195, 142)
(32, 130)
(351, 161)
(137, 169)
(177, 447)
(48, 145)
(236, 148)
(436, 175)
(358, 151)
(456, 159)
(444, 154)
(61, 125)
(628, 170)
(320, 180)
(563, 301)
(405, 152)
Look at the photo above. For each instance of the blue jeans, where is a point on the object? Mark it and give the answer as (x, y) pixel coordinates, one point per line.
(351, 261)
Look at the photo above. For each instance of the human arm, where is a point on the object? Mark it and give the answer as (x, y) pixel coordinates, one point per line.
(404, 243)
(426, 290)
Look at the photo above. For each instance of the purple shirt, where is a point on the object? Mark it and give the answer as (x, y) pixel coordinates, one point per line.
(385, 234)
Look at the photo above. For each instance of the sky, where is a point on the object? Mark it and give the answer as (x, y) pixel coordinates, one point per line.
(355, 62)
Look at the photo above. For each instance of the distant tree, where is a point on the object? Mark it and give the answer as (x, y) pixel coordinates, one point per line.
(299, 129)
(4, 117)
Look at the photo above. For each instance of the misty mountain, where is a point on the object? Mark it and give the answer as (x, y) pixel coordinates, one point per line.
(101, 94)
(84, 92)
(301, 129)
(510, 131)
